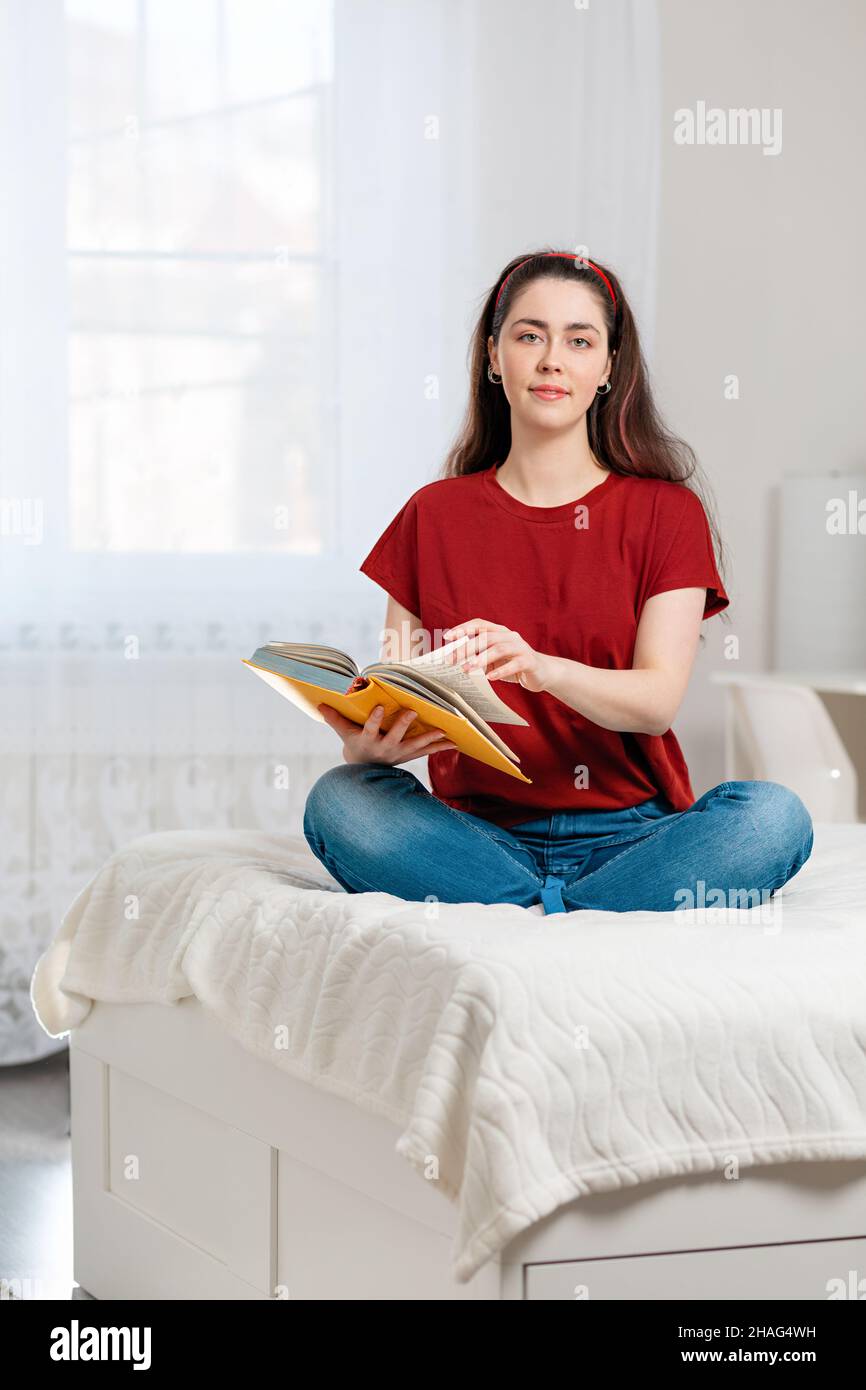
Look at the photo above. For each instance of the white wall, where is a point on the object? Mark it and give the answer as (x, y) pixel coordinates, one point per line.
(761, 273)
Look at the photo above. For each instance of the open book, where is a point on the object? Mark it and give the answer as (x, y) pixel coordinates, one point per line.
(462, 704)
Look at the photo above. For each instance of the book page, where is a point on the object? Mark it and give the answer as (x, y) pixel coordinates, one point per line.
(473, 686)
(428, 688)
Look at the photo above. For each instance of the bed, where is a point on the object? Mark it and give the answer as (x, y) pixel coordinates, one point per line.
(281, 1090)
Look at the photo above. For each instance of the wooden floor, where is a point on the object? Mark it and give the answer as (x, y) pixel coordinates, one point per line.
(36, 1181)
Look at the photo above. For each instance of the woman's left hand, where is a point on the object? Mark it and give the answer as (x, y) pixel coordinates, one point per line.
(503, 655)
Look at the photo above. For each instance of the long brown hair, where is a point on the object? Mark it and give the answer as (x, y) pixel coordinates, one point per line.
(624, 428)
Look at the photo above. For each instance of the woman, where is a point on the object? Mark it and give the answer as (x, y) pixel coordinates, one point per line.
(563, 543)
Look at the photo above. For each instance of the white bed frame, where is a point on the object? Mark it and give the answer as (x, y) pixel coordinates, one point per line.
(201, 1171)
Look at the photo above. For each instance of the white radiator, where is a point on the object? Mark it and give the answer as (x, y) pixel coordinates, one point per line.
(96, 749)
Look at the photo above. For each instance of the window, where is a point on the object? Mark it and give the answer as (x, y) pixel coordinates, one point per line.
(202, 398)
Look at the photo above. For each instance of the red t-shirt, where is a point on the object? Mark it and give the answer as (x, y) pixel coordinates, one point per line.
(572, 580)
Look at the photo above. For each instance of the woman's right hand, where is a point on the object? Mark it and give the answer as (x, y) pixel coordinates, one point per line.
(364, 743)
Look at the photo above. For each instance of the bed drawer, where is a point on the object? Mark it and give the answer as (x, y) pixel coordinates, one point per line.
(198, 1176)
(753, 1272)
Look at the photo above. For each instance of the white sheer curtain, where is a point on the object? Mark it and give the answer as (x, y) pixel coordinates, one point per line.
(243, 243)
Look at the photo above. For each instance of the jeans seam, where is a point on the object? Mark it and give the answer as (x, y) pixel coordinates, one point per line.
(468, 824)
(536, 879)
(325, 857)
(791, 871)
(615, 858)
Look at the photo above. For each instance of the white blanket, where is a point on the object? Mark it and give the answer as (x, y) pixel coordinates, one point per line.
(537, 1059)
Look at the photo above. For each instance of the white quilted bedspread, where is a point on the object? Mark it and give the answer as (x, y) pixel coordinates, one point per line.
(537, 1058)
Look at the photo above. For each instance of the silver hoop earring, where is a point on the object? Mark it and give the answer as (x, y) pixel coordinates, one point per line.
(491, 375)
(600, 392)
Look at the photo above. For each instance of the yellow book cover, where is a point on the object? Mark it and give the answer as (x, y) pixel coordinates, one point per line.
(458, 703)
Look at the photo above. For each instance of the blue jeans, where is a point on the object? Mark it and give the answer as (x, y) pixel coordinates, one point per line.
(377, 828)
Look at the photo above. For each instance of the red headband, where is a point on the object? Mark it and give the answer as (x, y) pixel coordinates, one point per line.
(574, 256)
